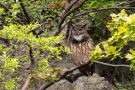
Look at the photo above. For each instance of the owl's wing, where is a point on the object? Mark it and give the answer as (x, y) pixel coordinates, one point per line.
(80, 52)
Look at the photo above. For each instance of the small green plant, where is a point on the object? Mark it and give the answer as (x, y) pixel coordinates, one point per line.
(11, 59)
(8, 66)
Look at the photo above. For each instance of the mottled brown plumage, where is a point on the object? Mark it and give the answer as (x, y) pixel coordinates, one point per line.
(81, 46)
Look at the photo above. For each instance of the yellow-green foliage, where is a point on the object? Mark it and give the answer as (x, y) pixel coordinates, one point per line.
(19, 34)
(131, 57)
(9, 64)
(122, 28)
(10, 84)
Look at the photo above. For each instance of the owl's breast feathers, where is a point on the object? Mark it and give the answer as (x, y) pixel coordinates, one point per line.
(80, 51)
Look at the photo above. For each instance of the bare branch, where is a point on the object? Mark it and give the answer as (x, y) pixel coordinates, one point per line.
(25, 11)
(37, 28)
(71, 5)
(31, 58)
(112, 65)
(103, 9)
(61, 27)
(27, 82)
(125, 3)
(64, 17)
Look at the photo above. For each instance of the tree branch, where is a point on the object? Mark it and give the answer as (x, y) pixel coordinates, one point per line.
(3, 6)
(103, 9)
(34, 33)
(5, 41)
(126, 3)
(61, 27)
(112, 65)
(25, 11)
(27, 82)
(40, 26)
(64, 17)
(43, 24)
(71, 5)
(31, 57)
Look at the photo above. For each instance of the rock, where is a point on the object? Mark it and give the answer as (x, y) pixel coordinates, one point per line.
(94, 82)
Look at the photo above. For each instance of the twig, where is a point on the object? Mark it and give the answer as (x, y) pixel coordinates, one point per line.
(112, 65)
(5, 41)
(71, 5)
(44, 24)
(40, 26)
(25, 11)
(27, 82)
(125, 3)
(3, 6)
(68, 13)
(31, 57)
(103, 9)
(64, 17)
(61, 27)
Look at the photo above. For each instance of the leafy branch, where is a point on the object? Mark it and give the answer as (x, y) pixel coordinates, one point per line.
(25, 11)
(3, 6)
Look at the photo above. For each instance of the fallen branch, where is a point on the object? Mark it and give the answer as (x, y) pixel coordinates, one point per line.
(43, 87)
(34, 33)
(43, 25)
(27, 82)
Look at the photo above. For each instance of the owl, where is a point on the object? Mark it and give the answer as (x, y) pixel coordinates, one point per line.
(81, 46)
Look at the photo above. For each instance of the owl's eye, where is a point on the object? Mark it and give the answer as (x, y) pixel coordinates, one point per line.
(75, 30)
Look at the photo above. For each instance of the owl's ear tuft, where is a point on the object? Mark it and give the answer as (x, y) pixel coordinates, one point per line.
(84, 26)
(73, 26)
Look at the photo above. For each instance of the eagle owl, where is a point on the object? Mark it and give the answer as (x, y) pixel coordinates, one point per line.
(81, 46)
